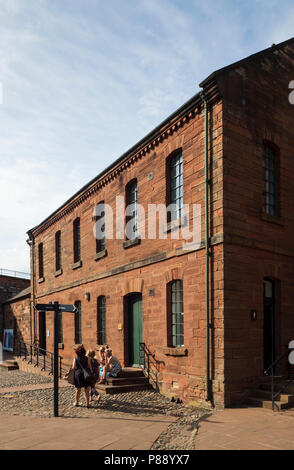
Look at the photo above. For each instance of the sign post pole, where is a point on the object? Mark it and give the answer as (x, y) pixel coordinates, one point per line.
(55, 369)
(1, 352)
(57, 309)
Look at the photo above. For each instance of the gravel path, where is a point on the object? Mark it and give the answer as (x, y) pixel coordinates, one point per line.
(180, 435)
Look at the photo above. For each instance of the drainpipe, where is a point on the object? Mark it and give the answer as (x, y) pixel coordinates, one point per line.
(207, 246)
(31, 243)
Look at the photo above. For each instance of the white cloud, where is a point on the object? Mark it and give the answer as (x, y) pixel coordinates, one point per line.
(83, 81)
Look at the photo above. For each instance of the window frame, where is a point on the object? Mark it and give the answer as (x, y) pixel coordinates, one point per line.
(41, 260)
(77, 240)
(172, 162)
(78, 322)
(271, 165)
(173, 334)
(101, 319)
(101, 243)
(128, 201)
(58, 258)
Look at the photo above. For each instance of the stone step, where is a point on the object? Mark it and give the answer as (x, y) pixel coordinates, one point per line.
(109, 389)
(9, 365)
(267, 395)
(261, 403)
(131, 372)
(115, 381)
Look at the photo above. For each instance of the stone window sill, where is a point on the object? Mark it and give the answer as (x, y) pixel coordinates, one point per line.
(274, 219)
(174, 224)
(133, 242)
(42, 279)
(100, 255)
(175, 351)
(58, 272)
(77, 265)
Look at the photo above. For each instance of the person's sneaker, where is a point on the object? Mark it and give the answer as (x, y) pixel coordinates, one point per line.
(76, 404)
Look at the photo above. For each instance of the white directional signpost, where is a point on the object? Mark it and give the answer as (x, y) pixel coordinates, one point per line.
(56, 308)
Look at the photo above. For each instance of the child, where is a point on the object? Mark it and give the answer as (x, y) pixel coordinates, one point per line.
(95, 368)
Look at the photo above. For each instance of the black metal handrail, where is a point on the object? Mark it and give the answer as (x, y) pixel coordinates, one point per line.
(150, 365)
(271, 369)
(39, 357)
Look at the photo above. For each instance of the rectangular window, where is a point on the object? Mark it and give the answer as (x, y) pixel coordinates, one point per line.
(176, 186)
(271, 164)
(77, 240)
(132, 210)
(58, 251)
(78, 323)
(101, 320)
(41, 260)
(176, 313)
(100, 228)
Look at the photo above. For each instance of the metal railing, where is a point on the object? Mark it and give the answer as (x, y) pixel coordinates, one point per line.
(18, 274)
(39, 357)
(288, 379)
(150, 365)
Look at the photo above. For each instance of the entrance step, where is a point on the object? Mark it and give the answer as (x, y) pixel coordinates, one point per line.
(129, 380)
(9, 365)
(262, 396)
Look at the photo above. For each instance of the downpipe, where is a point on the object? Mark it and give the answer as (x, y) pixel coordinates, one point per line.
(207, 247)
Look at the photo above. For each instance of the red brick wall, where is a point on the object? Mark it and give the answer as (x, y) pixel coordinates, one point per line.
(256, 108)
(10, 286)
(150, 265)
(17, 317)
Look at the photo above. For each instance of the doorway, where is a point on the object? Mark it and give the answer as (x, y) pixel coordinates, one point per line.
(135, 329)
(269, 323)
(42, 330)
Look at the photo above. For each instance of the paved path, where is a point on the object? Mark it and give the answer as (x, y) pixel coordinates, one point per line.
(25, 388)
(129, 432)
(246, 429)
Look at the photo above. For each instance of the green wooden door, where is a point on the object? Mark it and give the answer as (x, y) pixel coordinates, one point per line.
(135, 329)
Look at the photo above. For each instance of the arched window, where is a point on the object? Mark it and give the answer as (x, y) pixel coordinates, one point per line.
(77, 240)
(132, 210)
(101, 320)
(78, 323)
(175, 194)
(175, 313)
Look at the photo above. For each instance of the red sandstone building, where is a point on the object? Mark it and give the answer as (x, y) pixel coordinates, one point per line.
(214, 316)
(15, 286)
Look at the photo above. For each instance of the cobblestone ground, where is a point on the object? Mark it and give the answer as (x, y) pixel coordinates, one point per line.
(179, 436)
(17, 378)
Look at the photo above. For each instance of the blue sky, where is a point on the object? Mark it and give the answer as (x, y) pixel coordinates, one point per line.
(84, 80)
